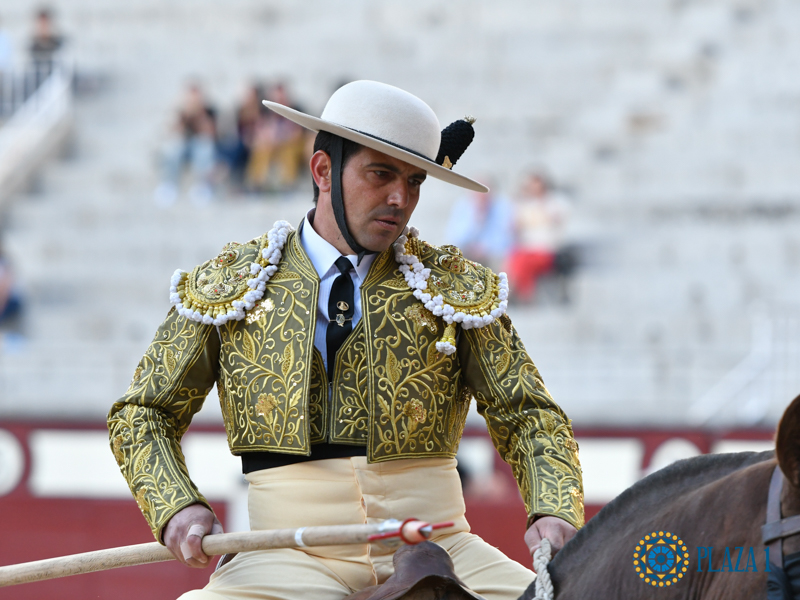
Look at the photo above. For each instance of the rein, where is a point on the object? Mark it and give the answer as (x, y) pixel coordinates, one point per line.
(776, 528)
(544, 585)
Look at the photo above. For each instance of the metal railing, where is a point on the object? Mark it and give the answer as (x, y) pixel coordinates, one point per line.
(18, 85)
(37, 111)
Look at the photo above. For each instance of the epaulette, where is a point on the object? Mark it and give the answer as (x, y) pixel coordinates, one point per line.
(223, 288)
(450, 286)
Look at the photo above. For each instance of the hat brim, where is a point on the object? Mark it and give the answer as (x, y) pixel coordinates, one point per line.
(430, 167)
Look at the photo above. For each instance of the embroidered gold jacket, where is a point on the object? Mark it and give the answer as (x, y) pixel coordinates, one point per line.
(392, 389)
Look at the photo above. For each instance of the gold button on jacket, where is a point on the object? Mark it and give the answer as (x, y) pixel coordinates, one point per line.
(392, 389)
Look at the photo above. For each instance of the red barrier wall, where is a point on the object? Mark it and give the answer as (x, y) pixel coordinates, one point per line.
(36, 528)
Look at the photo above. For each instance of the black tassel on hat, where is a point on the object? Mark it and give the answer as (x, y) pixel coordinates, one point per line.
(456, 138)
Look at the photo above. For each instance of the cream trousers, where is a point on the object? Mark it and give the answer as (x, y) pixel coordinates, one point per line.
(351, 491)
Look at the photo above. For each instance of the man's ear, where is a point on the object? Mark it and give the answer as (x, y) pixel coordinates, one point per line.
(321, 170)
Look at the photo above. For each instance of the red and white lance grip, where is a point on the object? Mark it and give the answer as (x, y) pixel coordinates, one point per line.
(411, 531)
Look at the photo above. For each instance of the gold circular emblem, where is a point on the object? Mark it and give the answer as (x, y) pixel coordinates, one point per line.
(342, 305)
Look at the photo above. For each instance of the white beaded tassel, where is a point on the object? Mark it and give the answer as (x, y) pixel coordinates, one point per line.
(416, 277)
(272, 254)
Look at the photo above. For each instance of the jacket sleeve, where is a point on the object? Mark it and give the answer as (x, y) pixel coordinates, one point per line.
(529, 430)
(146, 425)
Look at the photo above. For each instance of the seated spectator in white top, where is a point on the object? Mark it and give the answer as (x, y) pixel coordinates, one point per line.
(540, 218)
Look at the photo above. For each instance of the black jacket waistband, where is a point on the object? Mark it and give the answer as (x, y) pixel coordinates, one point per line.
(256, 461)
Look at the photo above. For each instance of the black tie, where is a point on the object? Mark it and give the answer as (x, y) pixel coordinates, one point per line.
(340, 312)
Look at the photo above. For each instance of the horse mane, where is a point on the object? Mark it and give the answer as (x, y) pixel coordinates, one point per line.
(659, 488)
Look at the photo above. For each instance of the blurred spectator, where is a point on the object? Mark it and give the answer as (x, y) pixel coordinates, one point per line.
(278, 149)
(541, 216)
(236, 150)
(192, 144)
(481, 225)
(6, 65)
(45, 44)
(6, 52)
(10, 298)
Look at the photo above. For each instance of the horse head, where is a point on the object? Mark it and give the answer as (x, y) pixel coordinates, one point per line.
(787, 444)
(716, 503)
(787, 451)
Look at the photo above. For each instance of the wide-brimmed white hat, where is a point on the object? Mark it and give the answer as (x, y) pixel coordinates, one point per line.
(387, 119)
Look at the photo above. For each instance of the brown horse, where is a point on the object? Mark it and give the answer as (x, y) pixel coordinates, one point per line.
(691, 530)
(715, 505)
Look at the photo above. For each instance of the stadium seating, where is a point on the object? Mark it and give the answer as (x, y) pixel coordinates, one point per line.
(674, 124)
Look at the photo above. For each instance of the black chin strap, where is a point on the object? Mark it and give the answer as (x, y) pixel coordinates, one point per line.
(337, 199)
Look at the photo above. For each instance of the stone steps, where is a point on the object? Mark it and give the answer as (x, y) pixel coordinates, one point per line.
(674, 124)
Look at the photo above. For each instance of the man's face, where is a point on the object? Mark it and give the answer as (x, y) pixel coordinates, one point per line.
(380, 194)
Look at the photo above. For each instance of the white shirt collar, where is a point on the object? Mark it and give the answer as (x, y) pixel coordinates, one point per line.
(323, 255)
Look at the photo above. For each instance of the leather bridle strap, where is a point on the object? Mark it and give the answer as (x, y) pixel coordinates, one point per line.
(776, 529)
(337, 197)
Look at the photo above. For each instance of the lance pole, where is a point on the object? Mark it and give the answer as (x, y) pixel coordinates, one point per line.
(409, 531)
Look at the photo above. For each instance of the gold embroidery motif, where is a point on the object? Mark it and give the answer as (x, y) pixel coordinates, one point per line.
(507, 328)
(262, 308)
(116, 445)
(393, 367)
(318, 399)
(502, 363)
(414, 409)
(141, 500)
(284, 273)
(218, 284)
(170, 360)
(349, 419)
(454, 264)
(395, 284)
(224, 406)
(212, 287)
(466, 395)
(136, 374)
(226, 257)
(422, 317)
(578, 496)
(266, 404)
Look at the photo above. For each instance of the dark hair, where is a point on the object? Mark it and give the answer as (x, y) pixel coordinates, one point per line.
(323, 142)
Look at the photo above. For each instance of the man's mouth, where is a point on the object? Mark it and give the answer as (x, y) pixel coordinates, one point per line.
(389, 223)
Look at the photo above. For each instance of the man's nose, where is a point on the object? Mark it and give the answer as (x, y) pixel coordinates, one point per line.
(399, 196)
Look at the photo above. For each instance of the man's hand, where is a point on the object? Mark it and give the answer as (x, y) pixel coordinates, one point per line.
(185, 531)
(558, 531)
